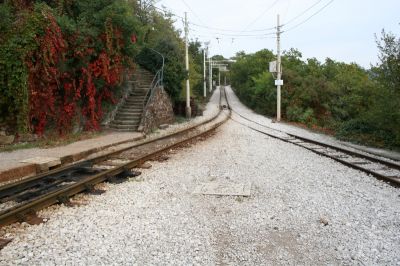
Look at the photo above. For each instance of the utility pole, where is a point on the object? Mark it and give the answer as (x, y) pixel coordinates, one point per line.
(188, 109)
(210, 73)
(204, 73)
(278, 82)
(219, 78)
(225, 80)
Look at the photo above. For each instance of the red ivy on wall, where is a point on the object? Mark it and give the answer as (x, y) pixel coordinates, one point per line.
(44, 76)
(56, 95)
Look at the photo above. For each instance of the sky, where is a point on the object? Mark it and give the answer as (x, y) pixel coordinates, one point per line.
(344, 30)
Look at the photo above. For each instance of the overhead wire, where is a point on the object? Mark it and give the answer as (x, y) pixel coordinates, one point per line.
(230, 38)
(194, 13)
(287, 8)
(238, 31)
(261, 15)
(202, 25)
(240, 35)
(307, 19)
(220, 33)
(303, 12)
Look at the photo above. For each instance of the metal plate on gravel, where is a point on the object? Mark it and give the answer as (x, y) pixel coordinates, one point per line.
(224, 189)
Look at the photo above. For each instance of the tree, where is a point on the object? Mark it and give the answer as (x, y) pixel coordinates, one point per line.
(388, 68)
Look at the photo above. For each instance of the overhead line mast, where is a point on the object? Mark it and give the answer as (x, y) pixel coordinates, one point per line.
(278, 81)
(188, 109)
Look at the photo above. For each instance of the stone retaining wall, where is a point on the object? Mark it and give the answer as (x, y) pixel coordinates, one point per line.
(158, 111)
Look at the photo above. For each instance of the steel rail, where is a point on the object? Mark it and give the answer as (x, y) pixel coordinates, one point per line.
(347, 151)
(30, 181)
(391, 179)
(18, 213)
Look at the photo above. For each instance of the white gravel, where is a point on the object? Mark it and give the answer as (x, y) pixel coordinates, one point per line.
(156, 220)
(391, 155)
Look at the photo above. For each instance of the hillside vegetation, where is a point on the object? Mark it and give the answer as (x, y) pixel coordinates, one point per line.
(63, 62)
(354, 103)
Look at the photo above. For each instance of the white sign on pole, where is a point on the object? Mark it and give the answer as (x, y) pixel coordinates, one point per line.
(272, 67)
(279, 82)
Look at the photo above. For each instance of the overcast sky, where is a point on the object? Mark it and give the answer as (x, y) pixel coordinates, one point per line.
(343, 31)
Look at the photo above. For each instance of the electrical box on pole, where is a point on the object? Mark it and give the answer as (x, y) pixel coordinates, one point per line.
(272, 67)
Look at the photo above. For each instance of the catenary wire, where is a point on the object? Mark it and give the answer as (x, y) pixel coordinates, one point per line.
(307, 19)
(303, 12)
(261, 15)
(194, 13)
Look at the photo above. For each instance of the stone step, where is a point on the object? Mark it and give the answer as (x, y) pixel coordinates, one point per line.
(125, 130)
(143, 83)
(137, 80)
(136, 97)
(143, 76)
(130, 110)
(125, 112)
(140, 91)
(134, 102)
(143, 71)
(126, 122)
(124, 117)
(142, 88)
(124, 127)
(129, 115)
(138, 105)
(132, 115)
(138, 94)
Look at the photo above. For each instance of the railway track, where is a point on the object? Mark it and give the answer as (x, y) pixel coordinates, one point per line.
(380, 168)
(21, 200)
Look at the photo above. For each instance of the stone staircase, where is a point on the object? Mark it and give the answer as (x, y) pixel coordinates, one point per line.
(128, 116)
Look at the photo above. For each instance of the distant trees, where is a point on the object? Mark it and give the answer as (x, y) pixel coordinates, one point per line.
(354, 103)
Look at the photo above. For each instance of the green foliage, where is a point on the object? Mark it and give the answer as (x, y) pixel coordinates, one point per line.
(90, 28)
(174, 72)
(20, 40)
(359, 105)
(196, 69)
(160, 35)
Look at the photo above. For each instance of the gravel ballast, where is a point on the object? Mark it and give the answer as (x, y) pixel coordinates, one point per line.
(303, 209)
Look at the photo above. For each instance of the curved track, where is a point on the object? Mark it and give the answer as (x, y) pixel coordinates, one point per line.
(21, 200)
(381, 168)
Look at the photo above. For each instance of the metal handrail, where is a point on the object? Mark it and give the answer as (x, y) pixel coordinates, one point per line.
(158, 81)
(163, 64)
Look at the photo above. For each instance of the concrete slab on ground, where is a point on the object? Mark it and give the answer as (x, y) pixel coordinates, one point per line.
(43, 163)
(22, 163)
